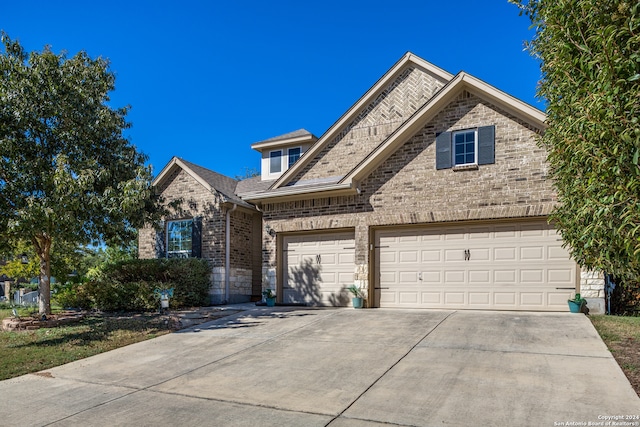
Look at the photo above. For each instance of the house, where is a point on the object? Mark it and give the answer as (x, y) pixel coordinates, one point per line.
(429, 192)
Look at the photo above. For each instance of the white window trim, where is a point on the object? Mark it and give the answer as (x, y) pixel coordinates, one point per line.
(287, 159)
(271, 173)
(185, 252)
(475, 149)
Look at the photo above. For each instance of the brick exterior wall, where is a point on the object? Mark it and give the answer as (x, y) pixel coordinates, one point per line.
(197, 201)
(401, 98)
(407, 189)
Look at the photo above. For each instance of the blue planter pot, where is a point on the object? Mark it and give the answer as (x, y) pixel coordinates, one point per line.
(357, 302)
(271, 302)
(575, 307)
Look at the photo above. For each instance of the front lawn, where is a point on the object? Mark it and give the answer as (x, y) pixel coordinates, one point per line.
(33, 351)
(622, 337)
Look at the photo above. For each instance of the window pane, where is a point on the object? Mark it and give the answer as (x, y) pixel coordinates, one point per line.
(465, 147)
(294, 155)
(275, 164)
(179, 238)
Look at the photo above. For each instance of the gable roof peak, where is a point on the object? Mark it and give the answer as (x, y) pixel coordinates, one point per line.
(213, 181)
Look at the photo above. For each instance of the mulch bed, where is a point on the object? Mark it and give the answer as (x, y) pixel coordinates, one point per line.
(178, 319)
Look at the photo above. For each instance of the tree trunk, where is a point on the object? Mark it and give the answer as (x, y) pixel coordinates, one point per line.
(42, 244)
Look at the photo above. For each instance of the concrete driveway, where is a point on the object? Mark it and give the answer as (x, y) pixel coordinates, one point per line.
(340, 367)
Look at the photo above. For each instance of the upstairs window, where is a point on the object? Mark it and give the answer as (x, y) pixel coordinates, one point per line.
(294, 155)
(179, 238)
(275, 161)
(465, 148)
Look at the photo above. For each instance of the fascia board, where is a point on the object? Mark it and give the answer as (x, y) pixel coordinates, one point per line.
(259, 146)
(355, 109)
(518, 108)
(293, 193)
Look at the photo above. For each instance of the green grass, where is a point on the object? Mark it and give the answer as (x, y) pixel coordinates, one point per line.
(33, 351)
(622, 337)
(617, 328)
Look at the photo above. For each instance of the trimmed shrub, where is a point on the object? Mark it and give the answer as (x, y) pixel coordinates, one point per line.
(130, 285)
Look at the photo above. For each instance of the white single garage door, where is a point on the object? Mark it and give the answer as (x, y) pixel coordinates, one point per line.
(508, 266)
(318, 268)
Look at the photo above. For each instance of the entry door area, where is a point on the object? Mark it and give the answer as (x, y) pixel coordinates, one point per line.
(318, 268)
(508, 266)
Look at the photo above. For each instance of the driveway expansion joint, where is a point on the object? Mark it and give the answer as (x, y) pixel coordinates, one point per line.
(373, 383)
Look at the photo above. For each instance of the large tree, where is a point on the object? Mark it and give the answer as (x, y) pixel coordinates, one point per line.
(67, 172)
(590, 60)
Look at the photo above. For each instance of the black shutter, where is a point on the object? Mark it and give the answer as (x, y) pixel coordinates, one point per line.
(196, 237)
(486, 145)
(443, 150)
(160, 246)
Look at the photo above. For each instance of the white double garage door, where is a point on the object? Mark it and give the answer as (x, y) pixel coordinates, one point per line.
(505, 265)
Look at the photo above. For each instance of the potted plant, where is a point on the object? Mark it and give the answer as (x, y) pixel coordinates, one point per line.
(358, 296)
(575, 304)
(270, 297)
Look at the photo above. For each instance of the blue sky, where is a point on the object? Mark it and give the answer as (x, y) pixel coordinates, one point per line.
(206, 79)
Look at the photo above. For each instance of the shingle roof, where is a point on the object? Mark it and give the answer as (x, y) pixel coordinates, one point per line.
(252, 185)
(294, 134)
(223, 184)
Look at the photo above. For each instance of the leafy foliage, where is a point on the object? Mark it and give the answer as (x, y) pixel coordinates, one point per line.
(130, 285)
(590, 53)
(67, 173)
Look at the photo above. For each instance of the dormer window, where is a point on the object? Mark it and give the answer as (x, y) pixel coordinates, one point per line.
(294, 155)
(275, 162)
(279, 154)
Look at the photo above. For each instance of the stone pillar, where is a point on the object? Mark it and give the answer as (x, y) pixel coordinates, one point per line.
(361, 273)
(592, 289)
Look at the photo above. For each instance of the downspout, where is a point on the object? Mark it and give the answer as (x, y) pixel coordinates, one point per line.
(227, 255)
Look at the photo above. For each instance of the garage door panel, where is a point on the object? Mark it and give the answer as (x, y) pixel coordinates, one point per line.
(431, 298)
(432, 276)
(388, 257)
(427, 256)
(504, 276)
(480, 298)
(454, 298)
(408, 297)
(560, 276)
(532, 299)
(557, 253)
(511, 266)
(408, 277)
(532, 253)
(479, 254)
(408, 256)
(454, 255)
(505, 254)
(454, 277)
(504, 299)
(481, 277)
(532, 276)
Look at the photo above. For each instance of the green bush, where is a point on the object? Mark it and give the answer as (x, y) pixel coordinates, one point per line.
(130, 285)
(73, 295)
